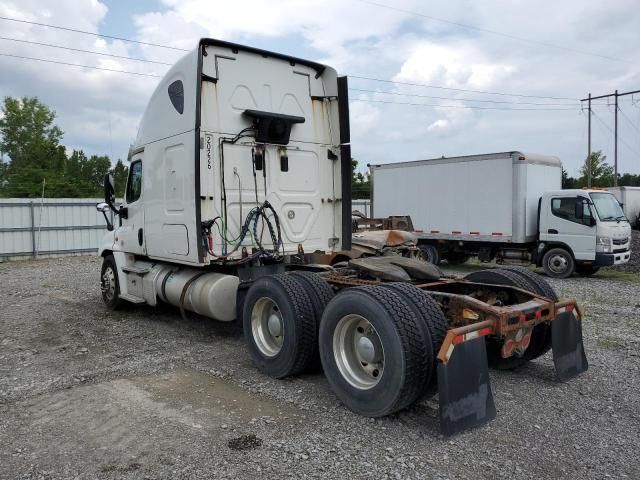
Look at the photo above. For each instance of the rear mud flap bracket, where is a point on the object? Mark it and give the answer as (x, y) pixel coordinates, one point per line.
(466, 399)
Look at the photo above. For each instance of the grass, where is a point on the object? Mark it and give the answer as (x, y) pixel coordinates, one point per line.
(610, 343)
(618, 276)
(106, 468)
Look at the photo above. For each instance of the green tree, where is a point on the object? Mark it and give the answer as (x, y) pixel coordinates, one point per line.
(567, 181)
(85, 175)
(360, 183)
(120, 173)
(32, 142)
(601, 171)
(629, 180)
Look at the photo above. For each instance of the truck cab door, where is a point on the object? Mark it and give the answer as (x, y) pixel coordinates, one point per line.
(559, 224)
(130, 236)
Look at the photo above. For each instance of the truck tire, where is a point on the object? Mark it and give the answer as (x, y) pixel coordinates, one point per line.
(320, 293)
(109, 283)
(279, 325)
(433, 322)
(538, 284)
(373, 351)
(558, 263)
(430, 253)
(586, 270)
(497, 276)
(541, 336)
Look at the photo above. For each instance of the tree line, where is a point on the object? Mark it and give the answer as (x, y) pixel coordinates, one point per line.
(602, 174)
(34, 162)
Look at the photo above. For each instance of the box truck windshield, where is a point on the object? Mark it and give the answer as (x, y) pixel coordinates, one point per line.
(607, 207)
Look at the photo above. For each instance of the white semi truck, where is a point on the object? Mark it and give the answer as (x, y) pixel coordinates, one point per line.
(237, 198)
(505, 206)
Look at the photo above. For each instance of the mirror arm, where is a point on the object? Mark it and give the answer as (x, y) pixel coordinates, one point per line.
(106, 219)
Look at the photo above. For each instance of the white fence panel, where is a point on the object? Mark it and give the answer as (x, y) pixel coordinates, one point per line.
(363, 206)
(31, 227)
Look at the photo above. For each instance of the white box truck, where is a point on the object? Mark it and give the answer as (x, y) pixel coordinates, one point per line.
(629, 198)
(504, 206)
(239, 190)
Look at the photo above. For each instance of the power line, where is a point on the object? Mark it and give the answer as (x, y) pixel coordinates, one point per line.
(492, 32)
(111, 37)
(79, 65)
(459, 99)
(597, 117)
(461, 106)
(84, 51)
(629, 120)
(459, 89)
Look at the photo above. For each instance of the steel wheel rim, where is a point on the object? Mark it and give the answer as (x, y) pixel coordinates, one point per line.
(358, 352)
(558, 263)
(109, 284)
(267, 326)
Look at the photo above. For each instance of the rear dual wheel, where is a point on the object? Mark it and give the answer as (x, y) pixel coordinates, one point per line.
(377, 345)
(376, 350)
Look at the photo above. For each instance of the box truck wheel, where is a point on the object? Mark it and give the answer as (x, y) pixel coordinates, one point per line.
(320, 293)
(109, 283)
(430, 253)
(558, 263)
(433, 322)
(279, 325)
(373, 351)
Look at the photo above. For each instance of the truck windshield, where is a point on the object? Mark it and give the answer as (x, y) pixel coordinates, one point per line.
(607, 207)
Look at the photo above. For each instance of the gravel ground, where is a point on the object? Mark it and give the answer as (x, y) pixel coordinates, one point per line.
(140, 393)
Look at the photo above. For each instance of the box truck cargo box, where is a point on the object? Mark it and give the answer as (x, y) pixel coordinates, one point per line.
(505, 206)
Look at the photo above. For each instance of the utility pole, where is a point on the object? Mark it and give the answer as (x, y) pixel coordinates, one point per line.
(615, 132)
(615, 143)
(589, 146)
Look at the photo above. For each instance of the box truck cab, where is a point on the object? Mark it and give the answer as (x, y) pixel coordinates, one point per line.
(581, 230)
(505, 206)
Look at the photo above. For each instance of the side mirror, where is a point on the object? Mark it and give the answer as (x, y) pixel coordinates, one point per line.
(103, 207)
(579, 208)
(110, 193)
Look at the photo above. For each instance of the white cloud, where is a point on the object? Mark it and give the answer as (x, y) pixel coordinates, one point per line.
(452, 66)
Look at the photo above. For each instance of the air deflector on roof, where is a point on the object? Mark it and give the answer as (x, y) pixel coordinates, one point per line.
(273, 127)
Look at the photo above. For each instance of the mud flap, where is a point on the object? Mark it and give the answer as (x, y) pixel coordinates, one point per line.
(569, 357)
(464, 387)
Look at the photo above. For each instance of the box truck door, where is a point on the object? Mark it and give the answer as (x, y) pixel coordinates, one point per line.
(563, 226)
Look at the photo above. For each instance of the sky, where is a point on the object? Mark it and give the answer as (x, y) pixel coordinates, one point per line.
(536, 58)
